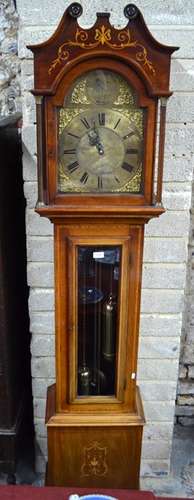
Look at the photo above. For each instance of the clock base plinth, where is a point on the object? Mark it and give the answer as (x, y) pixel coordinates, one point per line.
(94, 450)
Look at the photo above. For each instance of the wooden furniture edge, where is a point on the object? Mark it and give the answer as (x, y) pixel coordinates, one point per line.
(146, 213)
(92, 420)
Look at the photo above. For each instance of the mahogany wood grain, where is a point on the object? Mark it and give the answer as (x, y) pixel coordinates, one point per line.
(52, 62)
(95, 450)
(71, 51)
(134, 215)
(96, 442)
(100, 200)
(67, 237)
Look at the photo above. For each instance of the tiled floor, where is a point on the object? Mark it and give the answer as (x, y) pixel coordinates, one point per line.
(179, 483)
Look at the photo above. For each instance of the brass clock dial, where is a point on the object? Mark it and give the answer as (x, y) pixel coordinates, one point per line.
(100, 142)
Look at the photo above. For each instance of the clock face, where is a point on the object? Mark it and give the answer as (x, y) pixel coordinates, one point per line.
(100, 137)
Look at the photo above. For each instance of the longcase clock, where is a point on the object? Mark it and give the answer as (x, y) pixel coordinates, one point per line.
(100, 93)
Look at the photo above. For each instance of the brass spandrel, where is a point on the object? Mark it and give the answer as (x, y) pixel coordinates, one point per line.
(134, 185)
(79, 95)
(135, 116)
(113, 88)
(125, 95)
(66, 115)
(64, 182)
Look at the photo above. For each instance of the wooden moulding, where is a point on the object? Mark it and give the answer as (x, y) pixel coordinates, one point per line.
(143, 214)
(130, 240)
(72, 51)
(109, 201)
(94, 451)
(71, 44)
(67, 419)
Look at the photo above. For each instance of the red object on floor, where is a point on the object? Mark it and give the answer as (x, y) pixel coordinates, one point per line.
(60, 493)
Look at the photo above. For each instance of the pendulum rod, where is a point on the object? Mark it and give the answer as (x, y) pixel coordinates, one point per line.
(95, 327)
(111, 277)
(84, 315)
(99, 331)
(84, 371)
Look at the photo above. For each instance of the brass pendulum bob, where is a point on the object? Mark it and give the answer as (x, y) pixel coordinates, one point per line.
(109, 328)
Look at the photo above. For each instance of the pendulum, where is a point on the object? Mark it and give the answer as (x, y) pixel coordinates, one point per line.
(109, 328)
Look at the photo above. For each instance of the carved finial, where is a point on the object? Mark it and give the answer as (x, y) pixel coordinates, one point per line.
(131, 11)
(75, 10)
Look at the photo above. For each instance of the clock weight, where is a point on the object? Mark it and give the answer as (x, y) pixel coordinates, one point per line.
(84, 380)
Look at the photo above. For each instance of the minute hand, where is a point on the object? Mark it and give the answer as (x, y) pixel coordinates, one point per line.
(94, 140)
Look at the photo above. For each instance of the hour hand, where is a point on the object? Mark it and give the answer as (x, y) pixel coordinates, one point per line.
(94, 140)
(93, 137)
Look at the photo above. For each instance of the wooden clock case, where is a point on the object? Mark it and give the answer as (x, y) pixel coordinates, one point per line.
(96, 442)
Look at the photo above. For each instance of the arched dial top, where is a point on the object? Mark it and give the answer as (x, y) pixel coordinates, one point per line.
(100, 131)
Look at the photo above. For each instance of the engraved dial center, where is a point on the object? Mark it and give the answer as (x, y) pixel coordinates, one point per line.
(97, 162)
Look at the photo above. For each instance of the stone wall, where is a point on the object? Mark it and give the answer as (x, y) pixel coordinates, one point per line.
(185, 390)
(10, 100)
(165, 253)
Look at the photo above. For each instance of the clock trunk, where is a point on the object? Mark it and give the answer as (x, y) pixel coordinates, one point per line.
(101, 104)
